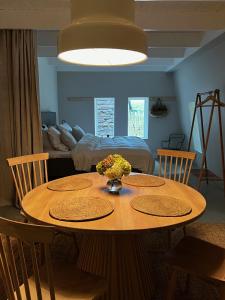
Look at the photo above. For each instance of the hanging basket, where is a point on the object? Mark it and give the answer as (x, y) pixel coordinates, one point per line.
(158, 109)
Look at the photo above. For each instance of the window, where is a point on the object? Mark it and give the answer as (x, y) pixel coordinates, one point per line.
(138, 117)
(104, 116)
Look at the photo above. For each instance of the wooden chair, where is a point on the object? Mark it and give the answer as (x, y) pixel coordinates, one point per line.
(182, 162)
(175, 165)
(198, 257)
(28, 172)
(49, 280)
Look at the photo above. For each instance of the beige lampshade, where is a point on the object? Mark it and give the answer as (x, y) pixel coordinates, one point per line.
(102, 33)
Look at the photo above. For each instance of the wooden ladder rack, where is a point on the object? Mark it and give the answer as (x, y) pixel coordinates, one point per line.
(212, 100)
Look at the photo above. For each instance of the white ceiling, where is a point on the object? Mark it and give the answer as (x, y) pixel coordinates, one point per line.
(175, 29)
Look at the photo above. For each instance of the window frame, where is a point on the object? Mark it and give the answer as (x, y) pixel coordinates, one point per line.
(146, 116)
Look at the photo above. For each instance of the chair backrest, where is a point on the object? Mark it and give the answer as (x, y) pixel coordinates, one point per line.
(175, 165)
(28, 172)
(36, 239)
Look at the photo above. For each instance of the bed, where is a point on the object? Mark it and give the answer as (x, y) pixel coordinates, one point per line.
(89, 149)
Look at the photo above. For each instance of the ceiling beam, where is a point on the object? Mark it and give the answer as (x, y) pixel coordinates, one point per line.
(181, 15)
(47, 37)
(157, 39)
(42, 19)
(33, 4)
(34, 14)
(166, 52)
(47, 51)
(174, 38)
(153, 15)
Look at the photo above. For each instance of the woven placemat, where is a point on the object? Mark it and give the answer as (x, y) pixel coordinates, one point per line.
(81, 209)
(143, 180)
(163, 206)
(69, 184)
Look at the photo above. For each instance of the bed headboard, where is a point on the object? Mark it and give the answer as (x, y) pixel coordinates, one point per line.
(48, 118)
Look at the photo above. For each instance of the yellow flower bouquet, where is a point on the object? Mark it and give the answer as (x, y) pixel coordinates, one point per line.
(114, 166)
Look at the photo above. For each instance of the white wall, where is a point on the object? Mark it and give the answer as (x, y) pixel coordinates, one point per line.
(120, 85)
(48, 86)
(204, 71)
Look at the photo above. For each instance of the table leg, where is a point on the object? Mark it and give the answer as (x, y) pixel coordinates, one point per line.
(120, 259)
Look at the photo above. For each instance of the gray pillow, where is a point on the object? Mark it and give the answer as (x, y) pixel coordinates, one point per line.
(54, 137)
(66, 126)
(68, 139)
(78, 132)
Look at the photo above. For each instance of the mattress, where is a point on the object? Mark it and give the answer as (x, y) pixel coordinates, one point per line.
(59, 154)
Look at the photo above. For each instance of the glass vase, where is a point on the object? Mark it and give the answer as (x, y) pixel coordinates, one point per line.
(114, 186)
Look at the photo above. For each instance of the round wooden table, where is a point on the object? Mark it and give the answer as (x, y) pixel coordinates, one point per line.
(112, 246)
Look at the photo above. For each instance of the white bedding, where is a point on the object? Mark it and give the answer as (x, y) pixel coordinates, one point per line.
(91, 149)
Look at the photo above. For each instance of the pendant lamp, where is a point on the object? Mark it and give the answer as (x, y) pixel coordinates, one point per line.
(102, 33)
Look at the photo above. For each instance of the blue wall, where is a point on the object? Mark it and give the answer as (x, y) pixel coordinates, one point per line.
(203, 71)
(120, 85)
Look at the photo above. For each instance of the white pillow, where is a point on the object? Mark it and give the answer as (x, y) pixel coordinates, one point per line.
(66, 126)
(54, 137)
(78, 132)
(68, 139)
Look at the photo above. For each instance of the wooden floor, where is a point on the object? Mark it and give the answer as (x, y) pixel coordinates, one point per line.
(205, 174)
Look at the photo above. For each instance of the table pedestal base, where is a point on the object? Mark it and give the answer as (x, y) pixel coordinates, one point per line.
(120, 259)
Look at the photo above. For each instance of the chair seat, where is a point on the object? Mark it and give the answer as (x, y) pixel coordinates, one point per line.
(213, 233)
(69, 283)
(199, 257)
